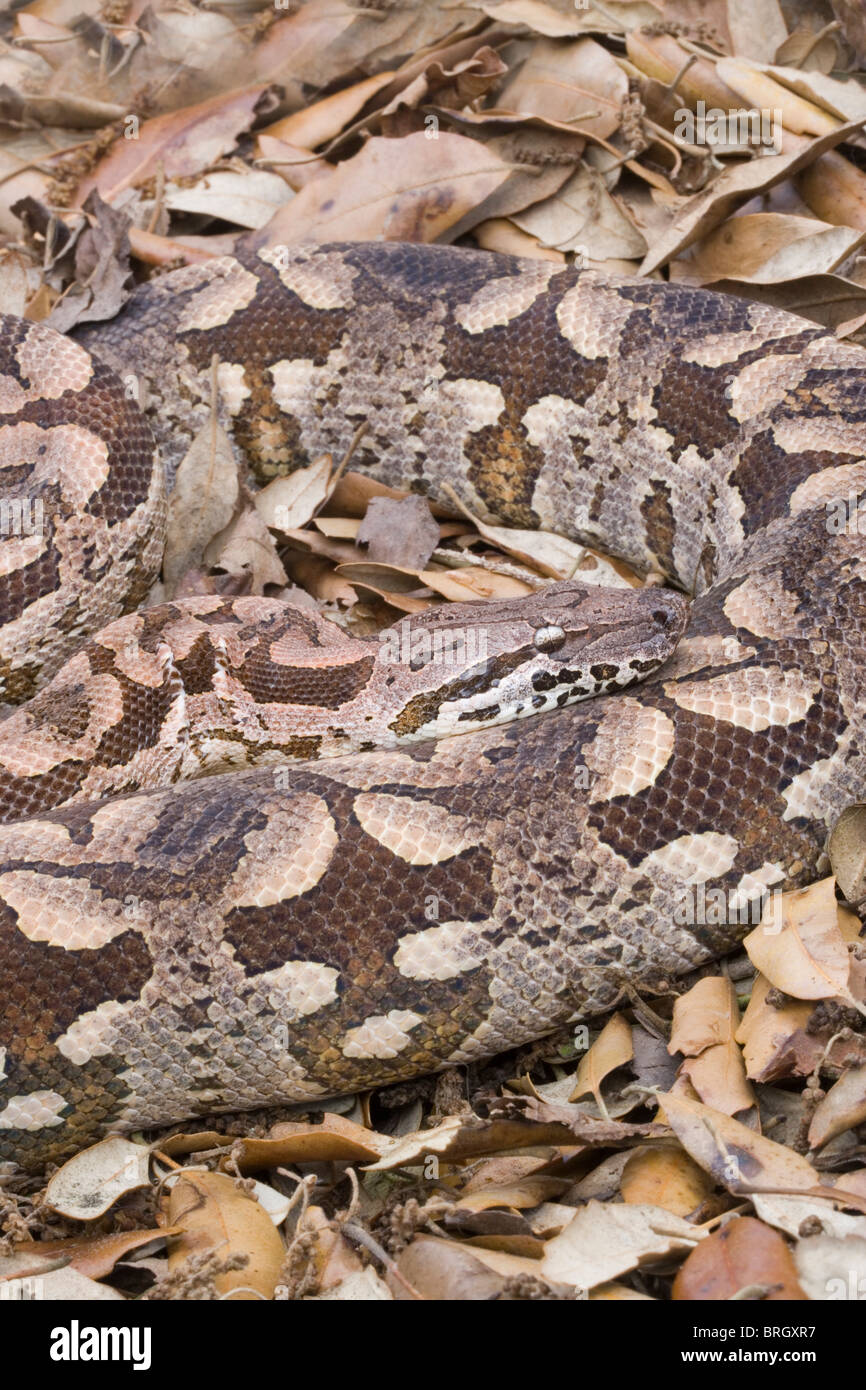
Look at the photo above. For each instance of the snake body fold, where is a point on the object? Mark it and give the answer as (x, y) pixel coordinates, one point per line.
(296, 932)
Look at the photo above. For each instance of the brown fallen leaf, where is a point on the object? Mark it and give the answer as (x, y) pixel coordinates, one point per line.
(707, 1014)
(760, 248)
(744, 1252)
(203, 500)
(412, 189)
(435, 1269)
(732, 187)
(604, 1240)
(246, 549)
(664, 1177)
(287, 504)
(611, 1049)
(766, 1031)
(733, 1155)
(580, 83)
(94, 1256)
(182, 142)
(402, 533)
(216, 1216)
(799, 945)
(843, 1107)
(336, 1138)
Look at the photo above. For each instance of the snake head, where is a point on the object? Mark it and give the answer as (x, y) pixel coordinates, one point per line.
(476, 664)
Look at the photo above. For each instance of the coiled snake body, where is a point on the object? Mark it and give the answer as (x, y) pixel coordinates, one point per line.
(305, 931)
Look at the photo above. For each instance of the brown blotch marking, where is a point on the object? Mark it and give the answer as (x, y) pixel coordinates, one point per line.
(766, 476)
(692, 408)
(322, 926)
(286, 328)
(22, 587)
(659, 522)
(46, 988)
(103, 409)
(720, 777)
(270, 682)
(528, 358)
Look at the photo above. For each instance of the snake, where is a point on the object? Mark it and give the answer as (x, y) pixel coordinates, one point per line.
(293, 931)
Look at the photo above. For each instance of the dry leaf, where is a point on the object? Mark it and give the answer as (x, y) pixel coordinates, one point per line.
(579, 83)
(763, 247)
(843, 1107)
(97, 1177)
(731, 1153)
(704, 1016)
(800, 948)
(611, 1049)
(765, 1031)
(666, 1178)
(744, 1252)
(412, 189)
(583, 216)
(602, 1241)
(202, 502)
(847, 851)
(718, 1076)
(246, 547)
(289, 503)
(400, 533)
(216, 1216)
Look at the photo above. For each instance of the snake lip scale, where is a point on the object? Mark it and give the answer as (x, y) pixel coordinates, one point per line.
(290, 932)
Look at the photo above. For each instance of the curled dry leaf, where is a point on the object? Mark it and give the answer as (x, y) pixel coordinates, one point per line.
(603, 1241)
(799, 945)
(287, 504)
(202, 502)
(664, 1177)
(216, 1216)
(734, 1156)
(93, 1180)
(94, 1256)
(843, 1107)
(336, 1138)
(744, 1252)
(611, 1049)
(766, 1031)
(412, 189)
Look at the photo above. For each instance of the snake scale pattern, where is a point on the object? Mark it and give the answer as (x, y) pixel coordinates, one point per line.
(302, 931)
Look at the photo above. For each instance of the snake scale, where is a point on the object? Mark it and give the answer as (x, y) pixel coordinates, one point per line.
(302, 931)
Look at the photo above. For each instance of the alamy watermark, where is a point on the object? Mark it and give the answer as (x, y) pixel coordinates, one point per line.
(405, 645)
(21, 516)
(716, 128)
(719, 907)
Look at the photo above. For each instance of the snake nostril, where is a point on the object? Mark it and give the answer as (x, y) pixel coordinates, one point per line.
(661, 617)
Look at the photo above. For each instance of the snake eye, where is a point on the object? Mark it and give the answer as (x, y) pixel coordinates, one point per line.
(548, 639)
